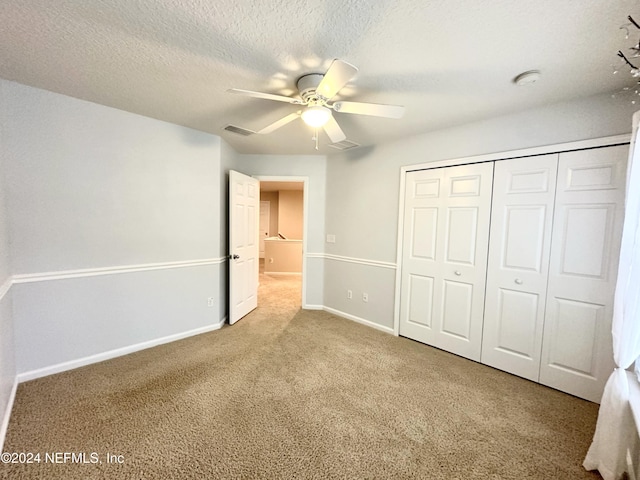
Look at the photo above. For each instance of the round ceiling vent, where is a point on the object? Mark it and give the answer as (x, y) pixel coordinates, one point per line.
(527, 78)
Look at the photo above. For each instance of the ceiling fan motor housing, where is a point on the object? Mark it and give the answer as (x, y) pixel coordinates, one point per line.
(307, 86)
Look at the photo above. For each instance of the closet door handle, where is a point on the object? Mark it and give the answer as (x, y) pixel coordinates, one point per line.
(457, 273)
(518, 281)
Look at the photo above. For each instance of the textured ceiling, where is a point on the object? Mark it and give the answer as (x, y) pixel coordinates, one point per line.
(447, 61)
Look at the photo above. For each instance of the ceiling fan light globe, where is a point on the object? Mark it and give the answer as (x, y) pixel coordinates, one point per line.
(316, 116)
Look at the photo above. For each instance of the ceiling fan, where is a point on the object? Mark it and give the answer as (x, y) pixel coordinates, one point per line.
(316, 91)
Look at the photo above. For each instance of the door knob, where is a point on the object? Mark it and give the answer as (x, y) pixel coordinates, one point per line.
(518, 281)
(234, 257)
(458, 272)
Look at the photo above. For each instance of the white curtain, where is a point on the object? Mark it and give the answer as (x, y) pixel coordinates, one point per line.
(616, 427)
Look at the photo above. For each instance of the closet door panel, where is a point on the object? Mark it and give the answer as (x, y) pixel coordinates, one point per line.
(517, 338)
(524, 236)
(424, 209)
(517, 272)
(446, 233)
(568, 351)
(577, 354)
(466, 236)
(587, 236)
(457, 310)
(424, 227)
(420, 299)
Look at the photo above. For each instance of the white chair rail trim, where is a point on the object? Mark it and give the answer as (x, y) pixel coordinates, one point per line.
(93, 272)
(359, 261)
(5, 287)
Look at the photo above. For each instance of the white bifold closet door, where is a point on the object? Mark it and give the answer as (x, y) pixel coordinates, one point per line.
(577, 353)
(517, 272)
(446, 234)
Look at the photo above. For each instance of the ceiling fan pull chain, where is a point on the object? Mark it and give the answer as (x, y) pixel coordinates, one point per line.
(315, 136)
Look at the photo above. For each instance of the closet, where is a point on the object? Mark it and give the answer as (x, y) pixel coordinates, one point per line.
(444, 270)
(513, 263)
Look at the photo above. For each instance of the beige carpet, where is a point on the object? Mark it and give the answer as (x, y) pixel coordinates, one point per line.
(292, 394)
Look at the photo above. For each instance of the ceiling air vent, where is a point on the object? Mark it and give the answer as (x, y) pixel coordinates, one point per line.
(344, 145)
(239, 130)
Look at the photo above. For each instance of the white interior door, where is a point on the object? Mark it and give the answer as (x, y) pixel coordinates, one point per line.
(446, 236)
(577, 348)
(265, 218)
(244, 198)
(517, 272)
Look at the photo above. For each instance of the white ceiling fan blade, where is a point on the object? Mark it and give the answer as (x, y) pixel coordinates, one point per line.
(337, 76)
(266, 96)
(374, 109)
(280, 123)
(333, 130)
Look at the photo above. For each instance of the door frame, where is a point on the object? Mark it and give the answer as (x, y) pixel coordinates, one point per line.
(505, 155)
(261, 239)
(305, 222)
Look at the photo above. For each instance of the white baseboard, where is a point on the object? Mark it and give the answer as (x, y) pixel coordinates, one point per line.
(632, 468)
(100, 357)
(363, 321)
(312, 307)
(81, 362)
(118, 352)
(7, 414)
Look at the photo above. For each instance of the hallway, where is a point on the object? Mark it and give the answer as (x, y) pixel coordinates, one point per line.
(279, 290)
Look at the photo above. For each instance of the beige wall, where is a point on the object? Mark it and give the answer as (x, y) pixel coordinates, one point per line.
(290, 214)
(283, 256)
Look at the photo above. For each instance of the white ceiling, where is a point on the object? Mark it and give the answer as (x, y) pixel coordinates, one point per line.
(447, 61)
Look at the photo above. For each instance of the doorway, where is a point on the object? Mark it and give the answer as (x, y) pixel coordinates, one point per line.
(282, 262)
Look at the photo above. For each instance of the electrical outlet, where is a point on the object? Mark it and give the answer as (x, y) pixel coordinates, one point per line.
(365, 297)
(349, 294)
(331, 238)
(210, 301)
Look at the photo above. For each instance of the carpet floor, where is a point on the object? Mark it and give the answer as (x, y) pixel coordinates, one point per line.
(292, 394)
